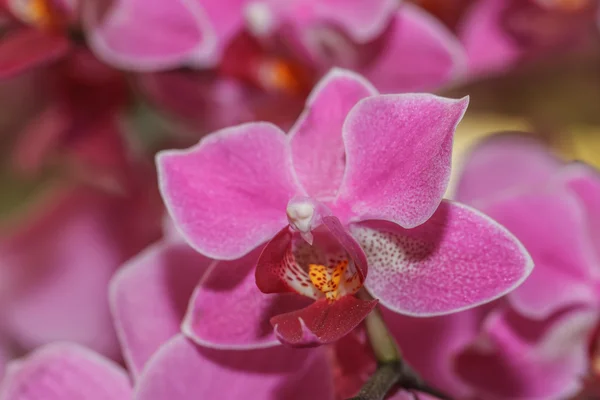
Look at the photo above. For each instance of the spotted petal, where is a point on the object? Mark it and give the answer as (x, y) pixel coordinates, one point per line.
(322, 322)
(229, 193)
(228, 311)
(316, 138)
(398, 150)
(65, 371)
(149, 296)
(182, 370)
(456, 260)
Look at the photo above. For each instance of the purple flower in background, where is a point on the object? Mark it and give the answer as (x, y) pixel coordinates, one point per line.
(359, 180)
(533, 343)
(497, 34)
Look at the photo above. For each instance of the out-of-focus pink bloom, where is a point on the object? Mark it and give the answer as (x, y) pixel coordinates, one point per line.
(497, 34)
(148, 297)
(267, 55)
(532, 344)
(391, 44)
(155, 34)
(65, 371)
(57, 262)
(358, 180)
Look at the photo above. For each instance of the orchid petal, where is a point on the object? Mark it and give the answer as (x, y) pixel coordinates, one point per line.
(316, 138)
(419, 53)
(584, 181)
(182, 370)
(228, 311)
(508, 365)
(146, 35)
(506, 162)
(398, 150)
(489, 48)
(226, 20)
(65, 371)
(29, 48)
(54, 288)
(148, 298)
(229, 193)
(552, 226)
(362, 20)
(322, 322)
(430, 345)
(456, 260)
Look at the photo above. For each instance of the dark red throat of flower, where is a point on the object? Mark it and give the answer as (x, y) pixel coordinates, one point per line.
(247, 60)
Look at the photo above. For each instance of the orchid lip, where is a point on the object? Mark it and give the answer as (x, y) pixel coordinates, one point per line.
(321, 273)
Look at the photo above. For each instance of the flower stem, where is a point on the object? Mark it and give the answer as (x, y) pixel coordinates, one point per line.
(392, 371)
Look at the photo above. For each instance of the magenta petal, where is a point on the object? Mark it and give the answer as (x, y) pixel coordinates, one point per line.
(398, 150)
(507, 364)
(322, 322)
(147, 34)
(552, 225)
(430, 345)
(65, 371)
(229, 193)
(28, 48)
(456, 260)
(228, 311)
(362, 20)
(584, 181)
(419, 53)
(149, 296)
(316, 138)
(56, 270)
(505, 162)
(181, 370)
(489, 48)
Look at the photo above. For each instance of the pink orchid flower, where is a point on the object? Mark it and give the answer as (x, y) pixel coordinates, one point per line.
(532, 344)
(358, 182)
(497, 34)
